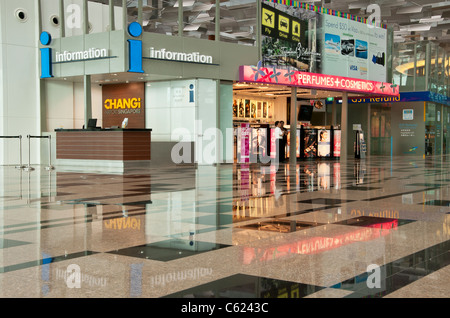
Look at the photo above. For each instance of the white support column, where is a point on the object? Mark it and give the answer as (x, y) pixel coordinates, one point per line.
(180, 18)
(333, 113)
(217, 24)
(87, 100)
(85, 17)
(124, 14)
(344, 128)
(62, 20)
(112, 21)
(293, 128)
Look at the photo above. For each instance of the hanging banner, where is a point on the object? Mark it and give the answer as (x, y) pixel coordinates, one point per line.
(284, 41)
(273, 75)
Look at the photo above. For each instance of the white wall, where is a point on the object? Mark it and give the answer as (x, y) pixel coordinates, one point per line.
(167, 108)
(173, 117)
(20, 98)
(64, 105)
(98, 17)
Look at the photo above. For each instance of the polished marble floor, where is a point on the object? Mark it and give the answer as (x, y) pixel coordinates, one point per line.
(369, 228)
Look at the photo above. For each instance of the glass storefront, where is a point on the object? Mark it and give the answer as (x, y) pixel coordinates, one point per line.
(421, 66)
(380, 129)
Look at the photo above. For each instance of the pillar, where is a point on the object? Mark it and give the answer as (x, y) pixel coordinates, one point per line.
(344, 127)
(293, 128)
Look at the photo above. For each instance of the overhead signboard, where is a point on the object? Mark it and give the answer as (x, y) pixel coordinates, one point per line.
(315, 81)
(280, 25)
(322, 41)
(284, 39)
(353, 49)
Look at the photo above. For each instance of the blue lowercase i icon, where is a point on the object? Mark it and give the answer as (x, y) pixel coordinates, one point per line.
(191, 93)
(135, 48)
(46, 56)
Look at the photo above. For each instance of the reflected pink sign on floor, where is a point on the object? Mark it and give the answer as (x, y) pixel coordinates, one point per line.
(272, 75)
(245, 143)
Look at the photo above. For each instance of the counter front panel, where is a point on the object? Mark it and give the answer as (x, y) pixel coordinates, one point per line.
(105, 144)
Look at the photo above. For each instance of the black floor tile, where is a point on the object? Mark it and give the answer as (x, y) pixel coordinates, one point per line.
(5, 243)
(247, 286)
(437, 202)
(361, 188)
(282, 226)
(399, 273)
(371, 221)
(432, 185)
(325, 201)
(45, 260)
(169, 250)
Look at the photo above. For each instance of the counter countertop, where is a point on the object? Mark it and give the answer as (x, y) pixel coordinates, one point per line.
(104, 129)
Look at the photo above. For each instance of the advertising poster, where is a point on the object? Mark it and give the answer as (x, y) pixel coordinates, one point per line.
(353, 49)
(253, 109)
(259, 142)
(337, 143)
(241, 109)
(288, 146)
(247, 108)
(259, 110)
(310, 143)
(285, 38)
(324, 148)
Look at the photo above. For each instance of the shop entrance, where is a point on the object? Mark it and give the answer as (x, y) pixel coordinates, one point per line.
(256, 108)
(380, 136)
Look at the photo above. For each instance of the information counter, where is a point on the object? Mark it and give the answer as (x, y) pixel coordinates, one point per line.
(98, 147)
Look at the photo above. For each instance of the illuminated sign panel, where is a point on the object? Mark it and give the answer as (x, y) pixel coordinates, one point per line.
(90, 54)
(122, 101)
(194, 57)
(314, 81)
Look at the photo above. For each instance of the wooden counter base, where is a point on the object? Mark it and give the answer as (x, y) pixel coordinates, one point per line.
(105, 144)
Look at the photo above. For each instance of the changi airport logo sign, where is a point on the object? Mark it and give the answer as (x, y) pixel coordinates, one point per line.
(123, 105)
(122, 101)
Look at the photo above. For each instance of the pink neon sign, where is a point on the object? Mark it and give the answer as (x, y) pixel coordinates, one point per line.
(315, 81)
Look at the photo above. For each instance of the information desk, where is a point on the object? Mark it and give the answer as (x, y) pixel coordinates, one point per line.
(120, 145)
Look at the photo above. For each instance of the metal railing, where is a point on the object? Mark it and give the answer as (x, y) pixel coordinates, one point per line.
(20, 165)
(49, 167)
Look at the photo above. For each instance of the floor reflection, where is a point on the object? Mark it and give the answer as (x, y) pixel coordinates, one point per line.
(140, 226)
